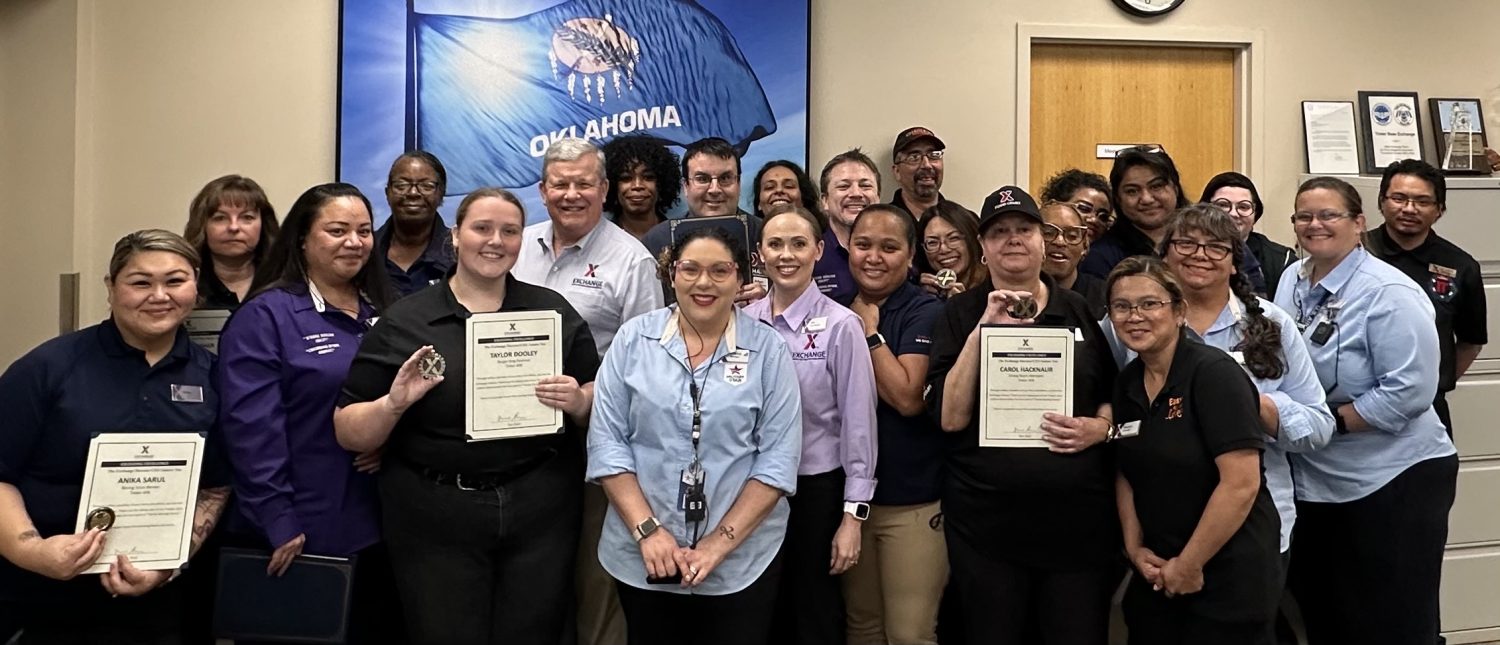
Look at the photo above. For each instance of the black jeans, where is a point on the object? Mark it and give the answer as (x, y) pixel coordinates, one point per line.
(81, 612)
(810, 606)
(1368, 571)
(485, 566)
(1155, 619)
(740, 618)
(1006, 602)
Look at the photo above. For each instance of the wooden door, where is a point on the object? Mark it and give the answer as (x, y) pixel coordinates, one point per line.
(1182, 98)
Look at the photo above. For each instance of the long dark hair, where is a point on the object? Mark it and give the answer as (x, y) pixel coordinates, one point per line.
(1262, 344)
(1151, 157)
(967, 224)
(286, 267)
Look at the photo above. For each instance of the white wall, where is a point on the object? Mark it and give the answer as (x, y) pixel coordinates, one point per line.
(171, 93)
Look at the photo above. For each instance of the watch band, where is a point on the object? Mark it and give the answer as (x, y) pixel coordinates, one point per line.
(646, 528)
(875, 340)
(860, 510)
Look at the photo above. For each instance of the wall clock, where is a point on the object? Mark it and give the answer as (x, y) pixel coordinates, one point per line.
(1149, 8)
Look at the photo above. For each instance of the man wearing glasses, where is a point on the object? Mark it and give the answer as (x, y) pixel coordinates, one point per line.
(415, 243)
(917, 162)
(711, 187)
(1413, 196)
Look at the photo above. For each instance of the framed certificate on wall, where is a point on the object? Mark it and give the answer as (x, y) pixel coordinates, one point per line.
(1391, 128)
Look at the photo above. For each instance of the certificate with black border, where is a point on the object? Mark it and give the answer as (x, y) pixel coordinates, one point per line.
(508, 352)
(149, 483)
(1024, 371)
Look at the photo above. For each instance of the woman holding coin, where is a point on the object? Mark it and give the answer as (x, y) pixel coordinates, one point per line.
(1032, 532)
(283, 357)
(950, 261)
(134, 372)
(472, 527)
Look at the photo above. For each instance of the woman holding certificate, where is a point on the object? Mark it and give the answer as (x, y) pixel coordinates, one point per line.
(1372, 506)
(283, 357)
(1199, 527)
(136, 372)
(695, 436)
(836, 479)
(481, 527)
(1032, 532)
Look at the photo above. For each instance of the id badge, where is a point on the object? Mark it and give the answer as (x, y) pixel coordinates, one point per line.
(1130, 429)
(187, 393)
(690, 483)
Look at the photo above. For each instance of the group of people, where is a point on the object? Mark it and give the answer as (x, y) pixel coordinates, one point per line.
(734, 467)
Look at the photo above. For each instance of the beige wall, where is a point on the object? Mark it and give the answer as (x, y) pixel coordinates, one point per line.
(171, 93)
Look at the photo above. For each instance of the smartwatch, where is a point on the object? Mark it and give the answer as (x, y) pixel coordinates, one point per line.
(875, 340)
(860, 510)
(646, 528)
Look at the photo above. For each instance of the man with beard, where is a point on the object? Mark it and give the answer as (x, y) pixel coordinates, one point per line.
(1413, 196)
(917, 162)
(849, 183)
(416, 245)
(711, 186)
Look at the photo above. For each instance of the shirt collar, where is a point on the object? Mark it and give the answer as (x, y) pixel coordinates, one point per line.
(673, 326)
(1340, 275)
(114, 342)
(316, 302)
(544, 237)
(450, 306)
(437, 242)
(1231, 315)
(798, 312)
(898, 298)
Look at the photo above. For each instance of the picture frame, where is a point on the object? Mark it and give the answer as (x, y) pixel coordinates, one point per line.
(1470, 158)
(1391, 128)
(1330, 138)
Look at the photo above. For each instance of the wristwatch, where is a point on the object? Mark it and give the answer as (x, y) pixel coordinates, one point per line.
(646, 528)
(860, 510)
(875, 340)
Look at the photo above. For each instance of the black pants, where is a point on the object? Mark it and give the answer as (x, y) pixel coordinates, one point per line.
(1155, 619)
(81, 612)
(810, 606)
(1440, 405)
(740, 618)
(487, 566)
(1000, 599)
(1368, 571)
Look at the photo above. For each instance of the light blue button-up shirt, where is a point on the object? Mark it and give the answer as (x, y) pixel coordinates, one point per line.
(642, 423)
(1306, 423)
(1382, 356)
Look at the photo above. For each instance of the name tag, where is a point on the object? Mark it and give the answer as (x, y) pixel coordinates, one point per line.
(1239, 357)
(736, 373)
(1130, 429)
(1441, 270)
(738, 356)
(187, 393)
(817, 324)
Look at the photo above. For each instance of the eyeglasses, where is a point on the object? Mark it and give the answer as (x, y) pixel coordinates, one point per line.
(424, 187)
(724, 181)
(914, 158)
(1150, 148)
(951, 240)
(1087, 209)
(1122, 310)
(1325, 217)
(1072, 235)
(1400, 201)
(691, 271)
(1239, 208)
(1214, 251)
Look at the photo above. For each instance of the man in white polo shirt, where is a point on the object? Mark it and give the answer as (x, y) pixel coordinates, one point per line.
(609, 278)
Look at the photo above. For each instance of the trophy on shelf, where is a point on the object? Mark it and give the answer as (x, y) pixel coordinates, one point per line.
(1459, 126)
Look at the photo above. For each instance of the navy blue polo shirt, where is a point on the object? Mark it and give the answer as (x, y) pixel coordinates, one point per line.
(912, 449)
(58, 395)
(429, 269)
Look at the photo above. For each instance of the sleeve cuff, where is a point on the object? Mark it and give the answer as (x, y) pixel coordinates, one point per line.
(1293, 422)
(283, 529)
(859, 489)
(606, 462)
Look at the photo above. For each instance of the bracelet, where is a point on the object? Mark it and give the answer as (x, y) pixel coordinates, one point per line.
(1113, 432)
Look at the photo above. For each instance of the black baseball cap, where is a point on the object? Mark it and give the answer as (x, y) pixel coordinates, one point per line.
(912, 135)
(1007, 199)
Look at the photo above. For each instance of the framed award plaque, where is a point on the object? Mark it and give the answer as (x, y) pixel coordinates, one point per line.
(1391, 129)
(1458, 136)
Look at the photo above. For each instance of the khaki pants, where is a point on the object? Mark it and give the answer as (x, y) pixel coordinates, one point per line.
(893, 593)
(600, 619)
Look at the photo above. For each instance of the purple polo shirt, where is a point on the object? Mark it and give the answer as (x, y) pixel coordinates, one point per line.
(832, 361)
(283, 357)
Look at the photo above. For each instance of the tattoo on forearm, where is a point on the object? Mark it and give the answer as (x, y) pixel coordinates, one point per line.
(206, 515)
(727, 531)
(29, 534)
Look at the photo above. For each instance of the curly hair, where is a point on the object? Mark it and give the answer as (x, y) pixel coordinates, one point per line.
(1061, 186)
(622, 154)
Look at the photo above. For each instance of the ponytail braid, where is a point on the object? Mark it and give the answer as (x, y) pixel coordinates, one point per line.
(1262, 343)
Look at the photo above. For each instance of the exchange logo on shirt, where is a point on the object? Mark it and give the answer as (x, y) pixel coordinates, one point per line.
(810, 350)
(589, 279)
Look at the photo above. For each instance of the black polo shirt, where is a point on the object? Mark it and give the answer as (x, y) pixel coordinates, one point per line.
(912, 449)
(1207, 407)
(899, 201)
(1030, 505)
(431, 432)
(1092, 290)
(1453, 283)
(212, 291)
(429, 269)
(60, 394)
(1120, 241)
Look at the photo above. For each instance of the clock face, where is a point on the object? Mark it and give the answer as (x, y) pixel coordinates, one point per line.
(1149, 7)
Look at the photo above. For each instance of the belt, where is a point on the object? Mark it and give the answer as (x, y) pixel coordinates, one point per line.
(485, 481)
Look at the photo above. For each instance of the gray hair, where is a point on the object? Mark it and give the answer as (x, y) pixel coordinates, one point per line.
(571, 149)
